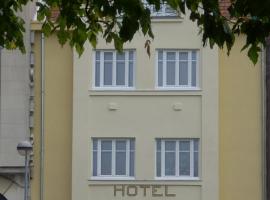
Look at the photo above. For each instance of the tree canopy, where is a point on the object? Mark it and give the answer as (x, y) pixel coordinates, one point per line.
(117, 21)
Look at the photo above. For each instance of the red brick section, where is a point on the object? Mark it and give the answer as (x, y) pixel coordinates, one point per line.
(223, 6)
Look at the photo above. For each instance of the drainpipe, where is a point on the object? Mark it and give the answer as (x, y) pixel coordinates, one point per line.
(42, 120)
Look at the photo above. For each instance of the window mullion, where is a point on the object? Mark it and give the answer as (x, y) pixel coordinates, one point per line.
(101, 76)
(126, 68)
(99, 158)
(177, 164)
(113, 157)
(162, 158)
(189, 69)
(127, 156)
(177, 68)
(191, 158)
(114, 69)
(164, 67)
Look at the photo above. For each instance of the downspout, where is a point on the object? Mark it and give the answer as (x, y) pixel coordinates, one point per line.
(42, 120)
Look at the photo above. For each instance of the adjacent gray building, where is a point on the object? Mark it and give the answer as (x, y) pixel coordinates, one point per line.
(15, 111)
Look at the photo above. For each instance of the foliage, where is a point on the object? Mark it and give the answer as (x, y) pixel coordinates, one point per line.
(118, 20)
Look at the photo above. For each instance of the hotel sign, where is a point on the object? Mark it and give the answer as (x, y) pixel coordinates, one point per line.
(142, 190)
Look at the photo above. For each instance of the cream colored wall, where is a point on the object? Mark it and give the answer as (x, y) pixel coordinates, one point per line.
(240, 126)
(58, 120)
(147, 114)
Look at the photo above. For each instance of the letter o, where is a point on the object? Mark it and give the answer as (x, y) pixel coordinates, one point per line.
(132, 190)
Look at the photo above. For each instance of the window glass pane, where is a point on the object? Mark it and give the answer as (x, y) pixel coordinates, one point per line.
(108, 73)
(97, 74)
(106, 163)
(120, 73)
(95, 144)
(196, 145)
(120, 163)
(106, 145)
(196, 164)
(183, 55)
(160, 55)
(121, 145)
(97, 55)
(169, 145)
(194, 55)
(130, 74)
(184, 163)
(169, 163)
(131, 55)
(170, 73)
(171, 56)
(160, 73)
(131, 163)
(108, 55)
(158, 163)
(183, 73)
(120, 56)
(132, 145)
(95, 163)
(193, 73)
(184, 146)
(158, 145)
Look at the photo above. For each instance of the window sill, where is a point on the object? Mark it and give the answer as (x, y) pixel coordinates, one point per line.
(177, 178)
(107, 178)
(146, 92)
(156, 19)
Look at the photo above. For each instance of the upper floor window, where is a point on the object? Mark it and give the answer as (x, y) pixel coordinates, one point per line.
(177, 69)
(113, 158)
(177, 158)
(165, 11)
(114, 70)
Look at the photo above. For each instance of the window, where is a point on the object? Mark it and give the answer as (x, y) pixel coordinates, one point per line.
(177, 69)
(114, 70)
(113, 157)
(164, 11)
(177, 158)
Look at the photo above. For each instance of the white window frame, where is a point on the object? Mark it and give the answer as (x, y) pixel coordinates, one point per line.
(164, 71)
(162, 12)
(113, 170)
(177, 176)
(101, 73)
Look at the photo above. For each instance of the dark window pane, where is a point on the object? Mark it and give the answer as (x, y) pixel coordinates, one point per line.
(106, 145)
(184, 163)
(131, 55)
(196, 145)
(170, 73)
(196, 164)
(120, 73)
(169, 145)
(121, 145)
(160, 55)
(130, 74)
(158, 145)
(169, 163)
(183, 56)
(131, 164)
(183, 73)
(108, 73)
(171, 56)
(108, 55)
(120, 56)
(158, 163)
(97, 74)
(160, 73)
(106, 163)
(97, 55)
(193, 73)
(194, 55)
(95, 144)
(120, 163)
(184, 146)
(95, 163)
(132, 145)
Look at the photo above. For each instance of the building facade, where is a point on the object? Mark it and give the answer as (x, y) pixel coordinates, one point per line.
(184, 123)
(16, 103)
